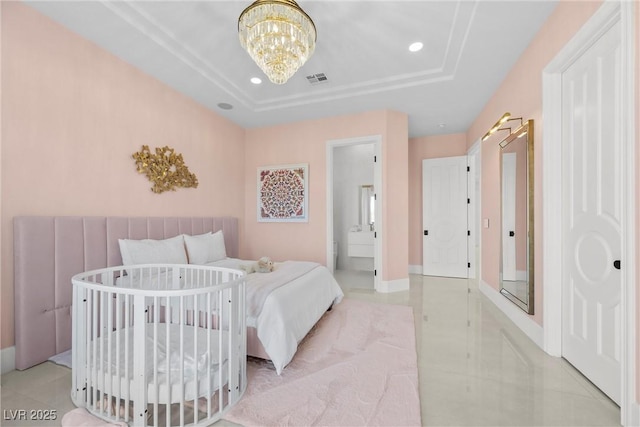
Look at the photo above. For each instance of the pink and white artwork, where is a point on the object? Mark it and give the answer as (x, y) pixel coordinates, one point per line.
(283, 193)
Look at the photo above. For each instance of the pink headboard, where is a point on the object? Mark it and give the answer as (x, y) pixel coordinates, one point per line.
(48, 251)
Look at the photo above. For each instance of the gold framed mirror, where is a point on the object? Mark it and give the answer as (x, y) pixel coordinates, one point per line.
(516, 221)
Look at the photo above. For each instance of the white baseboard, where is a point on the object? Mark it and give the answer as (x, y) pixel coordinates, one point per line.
(515, 314)
(7, 359)
(415, 269)
(388, 286)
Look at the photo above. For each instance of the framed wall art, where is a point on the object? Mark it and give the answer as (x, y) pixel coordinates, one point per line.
(283, 194)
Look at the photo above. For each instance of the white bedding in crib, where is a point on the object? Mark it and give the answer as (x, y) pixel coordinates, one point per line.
(171, 357)
(175, 370)
(289, 311)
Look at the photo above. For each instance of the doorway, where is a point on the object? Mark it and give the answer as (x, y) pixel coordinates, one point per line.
(444, 217)
(589, 268)
(354, 213)
(463, 173)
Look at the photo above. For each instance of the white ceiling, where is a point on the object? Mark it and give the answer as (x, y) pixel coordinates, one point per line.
(362, 48)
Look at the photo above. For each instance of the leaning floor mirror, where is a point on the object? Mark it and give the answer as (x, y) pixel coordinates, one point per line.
(516, 177)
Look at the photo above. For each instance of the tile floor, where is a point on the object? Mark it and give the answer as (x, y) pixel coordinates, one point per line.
(475, 367)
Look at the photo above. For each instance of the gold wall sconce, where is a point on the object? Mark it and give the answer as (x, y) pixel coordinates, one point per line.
(165, 169)
(506, 117)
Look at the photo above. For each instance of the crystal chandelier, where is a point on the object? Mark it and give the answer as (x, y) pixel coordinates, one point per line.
(278, 35)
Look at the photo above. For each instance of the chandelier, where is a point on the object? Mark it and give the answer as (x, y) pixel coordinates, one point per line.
(278, 35)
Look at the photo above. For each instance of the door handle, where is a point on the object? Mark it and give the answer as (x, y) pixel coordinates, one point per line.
(512, 233)
(616, 264)
(426, 232)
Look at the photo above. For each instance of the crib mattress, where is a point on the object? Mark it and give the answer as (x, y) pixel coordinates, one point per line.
(179, 369)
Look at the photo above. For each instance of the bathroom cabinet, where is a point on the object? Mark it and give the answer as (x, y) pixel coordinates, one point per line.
(360, 244)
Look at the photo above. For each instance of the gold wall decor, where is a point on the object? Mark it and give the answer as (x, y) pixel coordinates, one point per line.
(165, 169)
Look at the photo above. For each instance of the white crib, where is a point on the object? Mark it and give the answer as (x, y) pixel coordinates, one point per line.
(160, 344)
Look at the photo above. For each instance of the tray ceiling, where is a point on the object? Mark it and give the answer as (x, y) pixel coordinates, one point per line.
(362, 49)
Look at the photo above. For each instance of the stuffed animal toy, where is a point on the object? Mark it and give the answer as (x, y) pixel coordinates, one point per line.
(263, 265)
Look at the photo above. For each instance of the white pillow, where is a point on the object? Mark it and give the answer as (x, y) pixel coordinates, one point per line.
(148, 251)
(205, 248)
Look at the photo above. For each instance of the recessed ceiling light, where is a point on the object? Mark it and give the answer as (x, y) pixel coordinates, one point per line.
(225, 106)
(414, 47)
(256, 80)
(442, 125)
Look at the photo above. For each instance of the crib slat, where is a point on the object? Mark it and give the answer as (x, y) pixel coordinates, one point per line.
(118, 327)
(196, 375)
(182, 322)
(231, 351)
(127, 352)
(209, 326)
(138, 387)
(156, 320)
(94, 354)
(168, 367)
(221, 315)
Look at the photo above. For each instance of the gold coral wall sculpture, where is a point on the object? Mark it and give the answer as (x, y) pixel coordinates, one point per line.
(165, 169)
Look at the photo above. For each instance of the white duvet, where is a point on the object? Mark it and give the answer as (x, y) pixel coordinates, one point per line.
(290, 309)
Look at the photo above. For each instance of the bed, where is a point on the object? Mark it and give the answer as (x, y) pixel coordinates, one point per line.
(61, 247)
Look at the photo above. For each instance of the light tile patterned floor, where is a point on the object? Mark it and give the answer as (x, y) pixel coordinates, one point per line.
(476, 367)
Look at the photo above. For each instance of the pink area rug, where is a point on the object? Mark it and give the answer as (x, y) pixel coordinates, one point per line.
(356, 367)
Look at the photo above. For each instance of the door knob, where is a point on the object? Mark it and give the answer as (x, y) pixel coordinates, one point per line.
(426, 232)
(512, 233)
(616, 264)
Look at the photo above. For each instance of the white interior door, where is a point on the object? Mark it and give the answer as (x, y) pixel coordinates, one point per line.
(592, 198)
(444, 217)
(508, 216)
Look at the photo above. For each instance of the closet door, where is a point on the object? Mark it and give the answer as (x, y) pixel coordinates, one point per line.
(444, 217)
(592, 195)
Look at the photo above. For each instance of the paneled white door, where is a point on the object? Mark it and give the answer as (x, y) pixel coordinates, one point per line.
(508, 216)
(592, 199)
(444, 217)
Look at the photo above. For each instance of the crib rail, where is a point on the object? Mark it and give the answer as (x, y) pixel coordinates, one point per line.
(159, 345)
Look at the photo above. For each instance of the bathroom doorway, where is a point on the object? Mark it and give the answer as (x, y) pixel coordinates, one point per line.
(354, 181)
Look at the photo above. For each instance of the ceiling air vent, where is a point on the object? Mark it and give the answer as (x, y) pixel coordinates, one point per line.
(315, 79)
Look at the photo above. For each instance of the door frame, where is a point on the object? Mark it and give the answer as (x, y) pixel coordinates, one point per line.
(607, 15)
(475, 152)
(450, 161)
(376, 140)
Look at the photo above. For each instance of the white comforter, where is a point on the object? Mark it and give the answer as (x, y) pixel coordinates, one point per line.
(301, 295)
(260, 285)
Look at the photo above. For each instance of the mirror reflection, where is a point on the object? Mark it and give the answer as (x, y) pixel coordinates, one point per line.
(516, 172)
(367, 207)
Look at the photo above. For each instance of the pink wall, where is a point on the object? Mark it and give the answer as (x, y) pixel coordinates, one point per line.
(427, 147)
(395, 200)
(305, 142)
(521, 94)
(73, 115)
